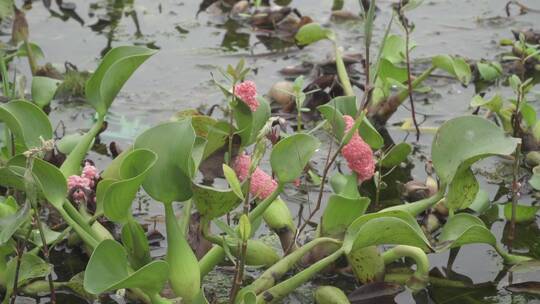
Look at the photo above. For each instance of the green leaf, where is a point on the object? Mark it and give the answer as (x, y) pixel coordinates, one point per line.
(250, 123)
(43, 90)
(394, 49)
(345, 185)
(233, 181)
(389, 227)
(330, 295)
(493, 104)
(462, 229)
(136, 243)
(37, 52)
(114, 70)
(481, 202)
(462, 190)
(396, 155)
(107, 270)
(334, 118)
(454, 66)
(340, 212)
(212, 202)
(346, 105)
(49, 180)
(291, 155)
(523, 213)
(32, 267)
(312, 32)
(120, 194)
(67, 143)
(536, 130)
(10, 224)
(170, 178)
(461, 141)
(370, 135)
(488, 71)
(27, 122)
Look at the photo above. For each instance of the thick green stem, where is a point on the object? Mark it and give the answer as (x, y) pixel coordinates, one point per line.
(420, 277)
(342, 72)
(71, 212)
(403, 278)
(85, 236)
(72, 165)
(510, 258)
(4, 73)
(184, 276)
(403, 94)
(274, 273)
(420, 206)
(186, 215)
(256, 213)
(276, 293)
(211, 259)
(31, 58)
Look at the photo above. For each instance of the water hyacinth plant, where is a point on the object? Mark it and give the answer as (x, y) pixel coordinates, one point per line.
(258, 159)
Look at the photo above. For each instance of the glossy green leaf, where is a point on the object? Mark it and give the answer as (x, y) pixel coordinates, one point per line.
(462, 190)
(370, 135)
(345, 185)
(44, 89)
(114, 70)
(136, 244)
(233, 181)
(250, 123)
(27, 122)
(394, 49)
(481, 202)
(523, 213)
(108, 269)
(396, 155)
(462, 229)
(390, 227)
(49, 180)
(489, 71)
(346, 105)
(312, 32)
(334, 118)
(340, 212)
(330, 295)
(291, 155)
(461, 141)
(212, 202)
(10, 224)
(120, 194)
(170, 178)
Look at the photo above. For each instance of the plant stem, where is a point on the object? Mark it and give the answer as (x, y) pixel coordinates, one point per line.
(211, 259)
(186, 212)
(418, 207)
(409, 79)
(516, 126)
(241, 261)
(342, 72)
(20, 251)
(279, 291)
(45, 250)
(72, 165)
(4, 74)
(276, 271)
(418, 255)
(31, 58)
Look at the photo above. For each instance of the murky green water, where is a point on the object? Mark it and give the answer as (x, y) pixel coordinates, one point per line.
(193, 45)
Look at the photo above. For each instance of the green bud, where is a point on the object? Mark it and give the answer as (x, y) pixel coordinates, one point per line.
(330, 295)
(244, 228)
